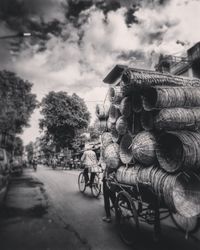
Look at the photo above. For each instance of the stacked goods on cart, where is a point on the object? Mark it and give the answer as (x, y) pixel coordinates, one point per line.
(152, 136)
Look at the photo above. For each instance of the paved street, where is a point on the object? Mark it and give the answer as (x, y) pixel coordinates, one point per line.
(44, 210)
(83, 214)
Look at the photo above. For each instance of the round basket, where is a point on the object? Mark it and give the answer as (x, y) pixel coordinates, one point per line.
(178, 151)
(182, 194)
(177, 119)
(125, 106)
(106, 139)
(110, 125)
(185, 224)
(147, 120)
(102, 111)
(144, 148)
(128, 175)
(114, 113)
(111, 155)
(121, 125)
(148, 78)
(115, 94)
(126, 88)
(158, 177)
(115, 135)
(136, 101)
(125, 151)
(144, 175)
(136, 125)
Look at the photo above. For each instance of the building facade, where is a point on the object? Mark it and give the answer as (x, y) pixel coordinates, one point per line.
(188, 66)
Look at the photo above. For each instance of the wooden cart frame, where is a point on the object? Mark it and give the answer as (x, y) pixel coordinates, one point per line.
(138, 203)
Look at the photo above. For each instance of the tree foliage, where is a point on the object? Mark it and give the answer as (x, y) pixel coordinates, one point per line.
(16, 101)
(18, 146)
(63, 117)
(29, 150)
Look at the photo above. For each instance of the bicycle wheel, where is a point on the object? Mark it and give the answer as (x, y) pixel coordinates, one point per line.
(81, 182)
(96, 187)
(126, 218)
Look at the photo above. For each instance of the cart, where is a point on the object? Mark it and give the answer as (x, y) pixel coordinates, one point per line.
(138, 203)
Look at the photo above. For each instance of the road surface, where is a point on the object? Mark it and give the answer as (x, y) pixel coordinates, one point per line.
(83, 214)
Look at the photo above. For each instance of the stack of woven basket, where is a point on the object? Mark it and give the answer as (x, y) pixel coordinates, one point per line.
(152, 136)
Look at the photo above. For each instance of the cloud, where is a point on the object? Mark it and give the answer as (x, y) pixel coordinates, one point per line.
(77, 42)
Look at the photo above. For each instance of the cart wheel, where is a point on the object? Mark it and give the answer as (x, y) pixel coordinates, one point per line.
(186, 225)
(96, 187)
(126, 218)
(81, 182)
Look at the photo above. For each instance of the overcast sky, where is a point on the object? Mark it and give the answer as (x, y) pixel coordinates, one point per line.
(75, 43)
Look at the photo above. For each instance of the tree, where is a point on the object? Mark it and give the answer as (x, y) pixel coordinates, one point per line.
(47, 145)
(30, 151)
(94, 131)
(18, 146)
(16, 101)
(64, 116)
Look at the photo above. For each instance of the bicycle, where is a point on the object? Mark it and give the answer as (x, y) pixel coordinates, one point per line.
(95, 187)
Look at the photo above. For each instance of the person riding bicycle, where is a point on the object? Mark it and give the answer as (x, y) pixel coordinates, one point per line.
(89, 160)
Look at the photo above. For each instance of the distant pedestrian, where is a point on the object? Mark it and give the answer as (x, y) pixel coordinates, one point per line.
(89, 160)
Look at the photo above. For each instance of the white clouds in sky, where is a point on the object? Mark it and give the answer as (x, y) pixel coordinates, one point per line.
(73, 65)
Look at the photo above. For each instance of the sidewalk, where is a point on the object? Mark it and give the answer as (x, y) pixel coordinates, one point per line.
(28, 222)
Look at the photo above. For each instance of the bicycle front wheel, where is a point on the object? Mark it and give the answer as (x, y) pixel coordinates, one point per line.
(81, 182)
(96, 187)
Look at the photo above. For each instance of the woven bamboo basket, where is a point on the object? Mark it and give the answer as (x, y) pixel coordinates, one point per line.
(178, 119)
(106, 139)
(157, 178)
(147, 78)
(144, 175)
(185, 224)
(179, 151)
(111, 155)
(165, 97)
(125, 150)
(128, 175)
(144, 148)
(147, 120)
(126, 88)
(114, 113)
(125, 106)
(182, 194)
(101, 125)
(115, 95)
(115, 135)
(136, 101)
(110, 125)
(102, 111)
(121, 125)
(135, 122)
